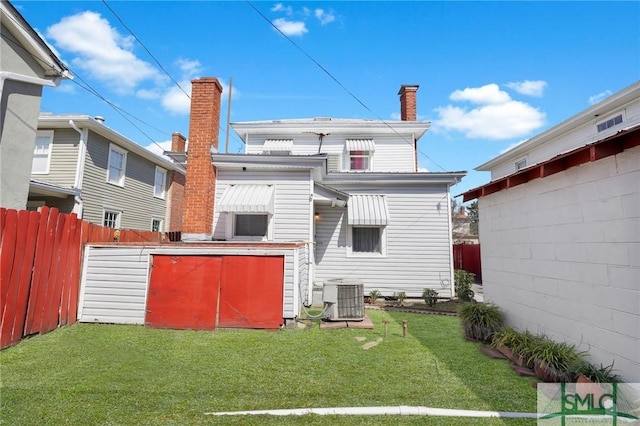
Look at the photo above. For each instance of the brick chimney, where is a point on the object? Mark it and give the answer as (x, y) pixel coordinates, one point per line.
(204, 125)
(175, 202)
(408, 102)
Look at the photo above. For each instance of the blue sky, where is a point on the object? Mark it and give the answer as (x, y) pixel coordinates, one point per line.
(491, 74)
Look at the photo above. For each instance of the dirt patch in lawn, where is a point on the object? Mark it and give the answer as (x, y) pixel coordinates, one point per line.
(446, 307)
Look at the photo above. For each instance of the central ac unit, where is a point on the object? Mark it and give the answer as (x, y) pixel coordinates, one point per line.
(343, 299)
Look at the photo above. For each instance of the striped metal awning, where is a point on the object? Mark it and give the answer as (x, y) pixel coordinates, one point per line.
(360, 145)
(247, 199)
(367, 210)
(277, 145)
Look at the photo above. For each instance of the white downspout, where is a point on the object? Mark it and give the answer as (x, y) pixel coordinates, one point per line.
(82, 153)
(450, 225)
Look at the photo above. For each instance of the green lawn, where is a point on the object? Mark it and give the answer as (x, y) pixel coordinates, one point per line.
(96, 374)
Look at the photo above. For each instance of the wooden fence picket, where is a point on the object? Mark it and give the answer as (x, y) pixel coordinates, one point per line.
(41, 260)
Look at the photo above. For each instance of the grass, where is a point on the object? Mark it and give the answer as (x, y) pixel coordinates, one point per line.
(96, 374)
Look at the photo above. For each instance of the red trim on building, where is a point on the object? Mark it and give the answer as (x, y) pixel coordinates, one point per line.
(615, 144)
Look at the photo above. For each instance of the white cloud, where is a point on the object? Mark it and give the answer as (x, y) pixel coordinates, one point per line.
(488, 94)
(279, 7)
(290, 28)
(324, 17)
(101, 51)
(599, 97)
(528, 87)
(159, 147)
(495, 116)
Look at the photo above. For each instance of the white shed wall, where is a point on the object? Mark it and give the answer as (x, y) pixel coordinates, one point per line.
(561, 256)
(115, 279)
(418, 243)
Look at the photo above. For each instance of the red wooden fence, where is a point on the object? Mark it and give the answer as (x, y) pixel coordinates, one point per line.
(467, 257)
(40, 261)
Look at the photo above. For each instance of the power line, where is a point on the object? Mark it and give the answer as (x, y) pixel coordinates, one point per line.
(338, 82)
(145, 48)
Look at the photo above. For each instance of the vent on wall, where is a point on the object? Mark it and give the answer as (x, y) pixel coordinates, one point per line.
(343, 299)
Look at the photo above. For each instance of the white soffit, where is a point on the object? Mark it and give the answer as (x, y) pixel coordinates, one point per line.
(247, 199)
(368, 210)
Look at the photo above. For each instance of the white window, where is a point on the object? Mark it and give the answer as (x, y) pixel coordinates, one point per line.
(365, 241)
(360, 160)
(160, 182)
(42, 152)
(610, 123)
(521, 164)
(111, 219)
(117, 165)
(249, 227)
(156, 225)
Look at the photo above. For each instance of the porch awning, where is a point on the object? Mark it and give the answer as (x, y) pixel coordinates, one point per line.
(247, 199)
(277, 145)
(367, 210)
(360, 145)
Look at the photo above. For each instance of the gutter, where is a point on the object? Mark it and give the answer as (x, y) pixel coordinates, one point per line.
(6, 75)
(82, 153)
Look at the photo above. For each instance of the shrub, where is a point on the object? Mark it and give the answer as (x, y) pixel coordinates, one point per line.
(463, 282)
(374, 295)
(480, 320)
(430, 296)
(399, 297)
(596, 374)
(552, 360)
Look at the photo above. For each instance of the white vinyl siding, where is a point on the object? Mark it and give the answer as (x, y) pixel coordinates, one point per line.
(392, 153)
(135, 200)
(115, 280)
(417, 242)
(42, 152)
(577, 137)
(291, 220)
(116, 168)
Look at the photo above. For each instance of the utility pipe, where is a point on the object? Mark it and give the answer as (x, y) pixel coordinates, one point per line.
(402, 410)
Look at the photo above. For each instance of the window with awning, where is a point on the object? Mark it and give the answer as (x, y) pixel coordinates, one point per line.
(367, 210)
(278, 146)
(247, 199)
(360, 153)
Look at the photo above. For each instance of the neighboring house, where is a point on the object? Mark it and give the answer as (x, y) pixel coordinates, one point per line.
(560, 232)
(346, 187)
(26, 66)
(82, 166)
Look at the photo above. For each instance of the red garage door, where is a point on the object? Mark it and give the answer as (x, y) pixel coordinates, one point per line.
(183, 292)
(251, 293)
(205, 292)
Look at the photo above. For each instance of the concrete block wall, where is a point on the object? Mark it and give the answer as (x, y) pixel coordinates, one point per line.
(561, 256)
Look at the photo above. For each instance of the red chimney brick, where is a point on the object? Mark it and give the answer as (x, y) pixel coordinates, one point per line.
(407, 94)
(204, 125)
(178, 142)
(175, 202)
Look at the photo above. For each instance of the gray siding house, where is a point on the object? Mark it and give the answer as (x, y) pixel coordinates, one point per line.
(82, 166)
(27, 65)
